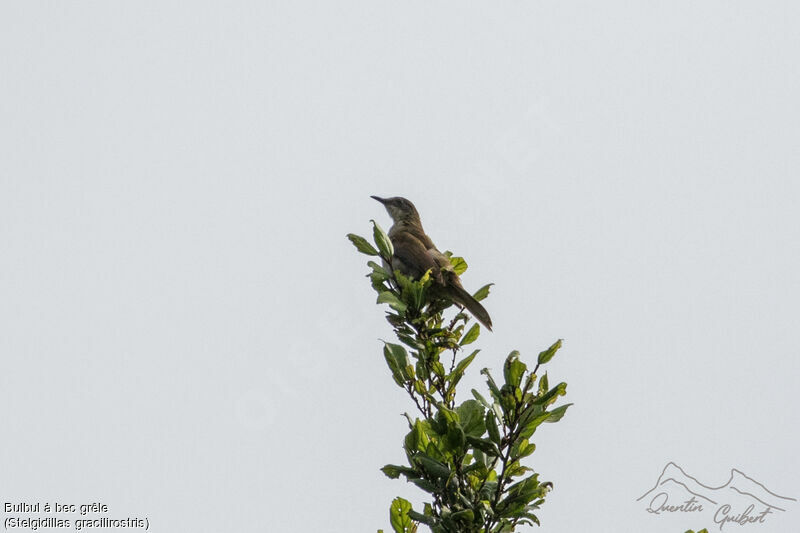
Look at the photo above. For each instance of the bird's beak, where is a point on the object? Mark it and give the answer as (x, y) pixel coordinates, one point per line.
(378, 198)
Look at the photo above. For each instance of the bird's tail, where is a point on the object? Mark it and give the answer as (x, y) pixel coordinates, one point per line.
(461, 296)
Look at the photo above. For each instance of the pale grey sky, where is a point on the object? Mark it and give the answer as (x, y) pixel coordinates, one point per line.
(187, 334)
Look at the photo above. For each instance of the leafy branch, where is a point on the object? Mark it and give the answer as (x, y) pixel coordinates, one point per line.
(467, 456)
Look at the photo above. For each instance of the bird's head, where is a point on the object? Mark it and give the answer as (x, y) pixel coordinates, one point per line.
(400, 209)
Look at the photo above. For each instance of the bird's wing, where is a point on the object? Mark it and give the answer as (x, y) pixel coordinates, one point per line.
(411, 258)
(441, 260)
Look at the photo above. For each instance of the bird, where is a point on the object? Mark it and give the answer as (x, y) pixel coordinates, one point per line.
(415, 254)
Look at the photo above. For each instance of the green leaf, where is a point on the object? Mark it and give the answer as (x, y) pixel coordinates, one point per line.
(515, 469)
(459, 265)
(543, 384)
(531, 423)
(398, 516)
(391, 362)
(551, 395)
(526, 490)
(416, 440)
(402, 280)
(471, 335)
(445, 414)
(557, 413)
(410, 341)
(466, 515)
(522, 448)
(394, 471)
(458, 372)
(379, 271)
(400, 357)
(492, 385)
(484, 445)
(413, 291)
(483, 292)
(454, 440)
(382, 240)
(481, 399)
(432, 466)
(497, 409)
(548, 354)
(419, 517)
(437, 368)
(470, 415)
(491, 426)
(425, 485)
(514, 369)
(488, 490)
(394, 302)
(530, 519)
(377, 282)
(432, 451)
(395, 320)
(361, 244)
(480, 458)
(391, 471)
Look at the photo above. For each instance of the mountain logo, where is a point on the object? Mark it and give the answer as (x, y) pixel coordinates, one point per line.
(741, 500)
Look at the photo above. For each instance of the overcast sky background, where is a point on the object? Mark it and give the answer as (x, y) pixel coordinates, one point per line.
(187, 335)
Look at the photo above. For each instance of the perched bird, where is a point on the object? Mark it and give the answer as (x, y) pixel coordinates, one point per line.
(415, 254)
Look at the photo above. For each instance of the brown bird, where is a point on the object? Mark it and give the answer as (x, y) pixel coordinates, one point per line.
(415, 254)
